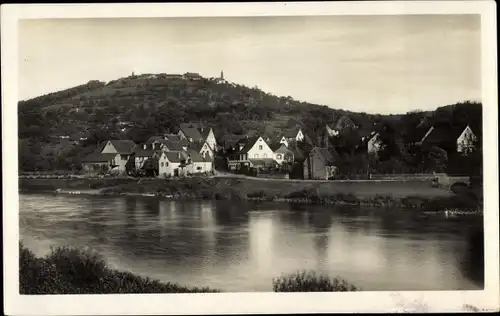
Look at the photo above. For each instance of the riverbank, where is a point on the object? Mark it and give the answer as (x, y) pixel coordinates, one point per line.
(374, 193)
(75, 271)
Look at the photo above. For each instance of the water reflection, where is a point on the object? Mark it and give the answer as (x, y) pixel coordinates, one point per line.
(242, 246)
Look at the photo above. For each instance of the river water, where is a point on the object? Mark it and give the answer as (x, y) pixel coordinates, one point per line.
(242, 246)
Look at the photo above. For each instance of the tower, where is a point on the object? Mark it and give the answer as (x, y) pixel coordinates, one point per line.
(222, 74)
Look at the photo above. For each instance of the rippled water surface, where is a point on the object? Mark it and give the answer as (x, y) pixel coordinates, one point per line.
(237, 246)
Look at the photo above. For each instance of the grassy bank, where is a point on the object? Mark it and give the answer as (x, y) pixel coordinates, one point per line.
(73, 271)
(407, 194)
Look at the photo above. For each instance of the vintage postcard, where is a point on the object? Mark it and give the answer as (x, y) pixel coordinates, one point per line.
(236, 158)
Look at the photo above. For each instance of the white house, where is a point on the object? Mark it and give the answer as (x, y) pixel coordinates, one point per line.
(254, 152)
(196, 163)
(294, 135)
(209, 138)
(374, 143)
(123, 150)
(170, 164)
(284, 141)
(466, 140)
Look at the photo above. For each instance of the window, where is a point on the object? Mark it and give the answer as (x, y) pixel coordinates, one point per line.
(260, 147)
(166, 164)
(124, 157)
(265, 155)
(256, 156)
(162, 164)
(198, 168)
(278, 156)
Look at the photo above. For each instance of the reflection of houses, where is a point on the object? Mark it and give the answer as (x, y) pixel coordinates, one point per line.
(320, 164)
(450, 138)
(114, 154)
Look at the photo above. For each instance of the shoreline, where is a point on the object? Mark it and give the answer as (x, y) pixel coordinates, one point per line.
(412, 195)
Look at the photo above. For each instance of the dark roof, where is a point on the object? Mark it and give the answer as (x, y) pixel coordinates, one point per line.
(123, 146)
(98, 157)
(173, 156)
(193, 133)
(275, 146)
(175, 145)
(195, 156)
(327, 156)
(282, 150)
(444, 133)
(290, 133)
(158, 139)
(249, 144)
(173, 137)
(204, 132)
(231, 139)
(139, 152)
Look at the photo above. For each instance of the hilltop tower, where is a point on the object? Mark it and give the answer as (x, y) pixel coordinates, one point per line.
(222, 74)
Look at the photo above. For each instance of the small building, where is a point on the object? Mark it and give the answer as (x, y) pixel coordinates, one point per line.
(123, 149)
(203, 149)
(320, 164)
(195, 163)
(97, 163)
(252, 148)
(170, 164)
(282, 154)
(374, 143)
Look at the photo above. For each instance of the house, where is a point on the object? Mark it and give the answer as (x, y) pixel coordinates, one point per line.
(122, 149)
(282, 154)
(294, 135)
(195, 163)
(183, 163)
(232, 142)
(140, 156)
(320, 164)
(198, 132)
(99, 163)
(374, 143)
(170, 164)
(203, 149)
(459, 139)
(254, 152)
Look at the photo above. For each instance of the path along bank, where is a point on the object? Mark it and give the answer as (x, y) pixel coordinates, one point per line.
(385, 193)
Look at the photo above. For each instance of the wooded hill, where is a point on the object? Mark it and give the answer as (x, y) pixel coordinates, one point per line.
(136, 107)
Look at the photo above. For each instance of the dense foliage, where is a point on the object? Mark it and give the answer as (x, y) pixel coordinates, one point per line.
(72, 271)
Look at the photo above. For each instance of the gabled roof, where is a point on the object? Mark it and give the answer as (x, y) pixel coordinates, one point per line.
(444, 133)
(139, 152)
(291, 133)
(324, 154)
(176, 145)
(98, 157)
(123, 146)
(172, 137)
(175, 157)
(204, 132)
(249, 143)
(193, 133)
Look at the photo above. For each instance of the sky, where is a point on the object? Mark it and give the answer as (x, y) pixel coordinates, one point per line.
(373, 64)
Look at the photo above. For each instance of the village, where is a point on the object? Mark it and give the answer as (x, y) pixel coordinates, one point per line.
(195, 150)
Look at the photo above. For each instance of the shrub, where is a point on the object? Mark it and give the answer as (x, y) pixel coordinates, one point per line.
(70, 271)
(310, 282)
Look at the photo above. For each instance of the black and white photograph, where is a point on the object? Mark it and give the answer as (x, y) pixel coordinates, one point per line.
(241, 153)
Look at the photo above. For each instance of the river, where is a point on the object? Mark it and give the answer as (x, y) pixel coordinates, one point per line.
(242, 246)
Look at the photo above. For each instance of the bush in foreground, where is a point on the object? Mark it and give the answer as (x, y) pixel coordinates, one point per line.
(70, 271)
(310, 282)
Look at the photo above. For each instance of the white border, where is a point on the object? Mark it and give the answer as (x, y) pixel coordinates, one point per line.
(15, 304)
